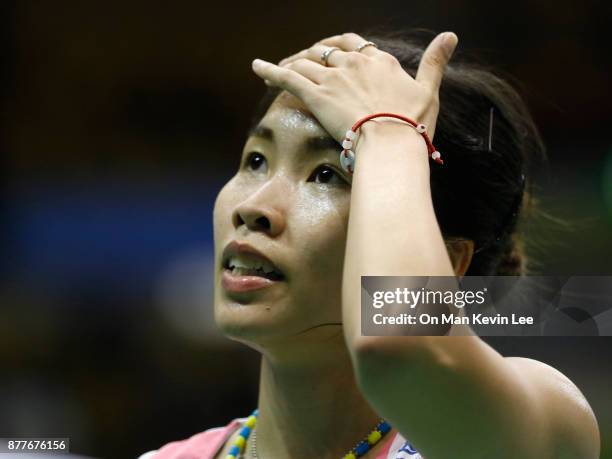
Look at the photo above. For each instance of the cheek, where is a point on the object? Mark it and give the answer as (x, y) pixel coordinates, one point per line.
(222, 211)
(323, 236)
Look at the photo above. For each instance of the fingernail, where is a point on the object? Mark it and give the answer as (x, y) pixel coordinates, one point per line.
(256, 63)
(449, 40)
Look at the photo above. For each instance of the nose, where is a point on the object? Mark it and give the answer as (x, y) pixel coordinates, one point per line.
(259, 214)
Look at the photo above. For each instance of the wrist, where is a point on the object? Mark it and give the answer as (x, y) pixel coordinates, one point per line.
(391, 133)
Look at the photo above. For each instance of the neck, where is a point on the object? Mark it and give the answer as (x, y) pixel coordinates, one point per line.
(310, 406)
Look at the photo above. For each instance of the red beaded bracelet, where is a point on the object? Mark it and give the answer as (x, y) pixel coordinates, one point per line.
(347, 157)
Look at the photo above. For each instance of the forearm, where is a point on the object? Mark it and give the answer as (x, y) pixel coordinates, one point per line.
(392, 228)
(393, 231)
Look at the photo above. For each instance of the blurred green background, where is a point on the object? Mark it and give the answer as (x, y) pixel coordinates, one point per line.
(121, 120)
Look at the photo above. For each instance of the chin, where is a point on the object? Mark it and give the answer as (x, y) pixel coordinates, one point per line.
(246, 323)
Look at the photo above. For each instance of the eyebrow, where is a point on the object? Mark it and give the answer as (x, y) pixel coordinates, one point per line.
(318, 143)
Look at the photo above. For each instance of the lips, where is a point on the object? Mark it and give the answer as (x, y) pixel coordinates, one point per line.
(246, 269)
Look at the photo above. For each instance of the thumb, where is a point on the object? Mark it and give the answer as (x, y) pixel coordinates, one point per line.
(435, 58)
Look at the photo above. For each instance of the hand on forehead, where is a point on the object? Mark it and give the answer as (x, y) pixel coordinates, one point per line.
(293, 113)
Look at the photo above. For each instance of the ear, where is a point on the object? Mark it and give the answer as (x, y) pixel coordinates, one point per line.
(460, 252)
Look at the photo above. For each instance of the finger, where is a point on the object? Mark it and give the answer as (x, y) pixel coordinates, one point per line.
(301, 55)
(309, 69)
(351, 42)
(347, 41)
(284, 78)
(369, 49)
(435, 58)
(315, 54)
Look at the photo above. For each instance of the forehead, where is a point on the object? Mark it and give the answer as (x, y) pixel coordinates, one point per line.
(288, 113)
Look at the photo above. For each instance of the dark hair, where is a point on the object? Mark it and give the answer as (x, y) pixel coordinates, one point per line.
(486, 182)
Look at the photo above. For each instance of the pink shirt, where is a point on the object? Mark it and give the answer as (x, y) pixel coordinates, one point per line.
(205, 445)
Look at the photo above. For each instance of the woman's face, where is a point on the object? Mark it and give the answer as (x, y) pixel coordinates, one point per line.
(280, 231)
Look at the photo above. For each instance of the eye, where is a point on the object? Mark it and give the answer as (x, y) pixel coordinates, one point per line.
(326, 174)
(256, 162)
